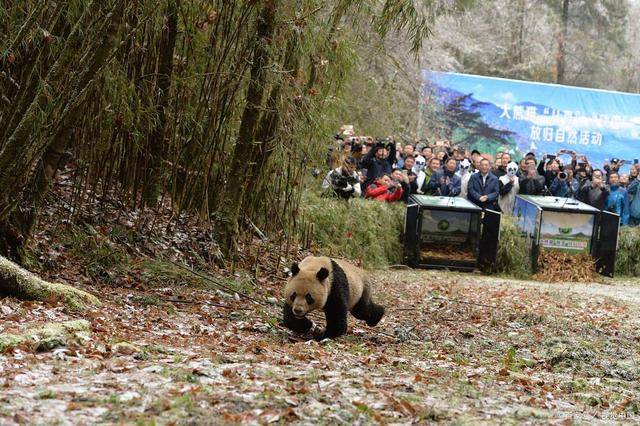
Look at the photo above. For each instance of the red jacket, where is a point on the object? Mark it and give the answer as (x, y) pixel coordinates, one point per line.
(379, 192)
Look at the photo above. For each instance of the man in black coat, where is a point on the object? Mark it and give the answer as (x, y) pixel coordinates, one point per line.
(483, 189)
(378, 163)
(531, 183)
(594, 193)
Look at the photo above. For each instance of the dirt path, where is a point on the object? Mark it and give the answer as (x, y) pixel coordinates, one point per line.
(621, 290)
(453, 348)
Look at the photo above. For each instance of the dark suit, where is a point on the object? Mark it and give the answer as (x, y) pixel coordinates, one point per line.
(489, 186)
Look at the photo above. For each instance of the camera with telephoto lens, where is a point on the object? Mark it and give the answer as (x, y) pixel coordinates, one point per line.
(341, 181)
(562, 175)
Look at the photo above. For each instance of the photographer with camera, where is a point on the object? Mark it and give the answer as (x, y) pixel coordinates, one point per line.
(549, 168)
(344, 181)
(594, 192)
(612, 168)
(379, 161)
(531, 183)
(386, 188)
(582, 170)
(565, 185)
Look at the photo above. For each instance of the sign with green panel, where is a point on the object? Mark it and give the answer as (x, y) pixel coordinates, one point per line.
(568, 232)
(442, 226)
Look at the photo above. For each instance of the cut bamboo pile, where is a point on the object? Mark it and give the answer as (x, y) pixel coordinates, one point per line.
(559, 266)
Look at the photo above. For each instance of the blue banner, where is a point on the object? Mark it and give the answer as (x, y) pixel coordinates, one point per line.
(495, 114)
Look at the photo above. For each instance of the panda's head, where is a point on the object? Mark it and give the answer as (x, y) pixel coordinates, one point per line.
(464, 165)
(512, 169)
(419, 164)
(307, 289)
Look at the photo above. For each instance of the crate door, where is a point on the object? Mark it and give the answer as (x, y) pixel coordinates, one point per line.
(488, 249)
(411, 234)
(604, 249)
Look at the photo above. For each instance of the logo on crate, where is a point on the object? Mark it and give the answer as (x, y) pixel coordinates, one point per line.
(443, 225)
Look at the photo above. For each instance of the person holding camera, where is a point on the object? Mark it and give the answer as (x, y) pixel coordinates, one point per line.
(531, 183)
(379, 161)
(385, 188)
(565, 185)
(446, 182)
(595, 192)
(408, 170)
(549, 168)
(401, 176)
(612, 168)
(343, 180)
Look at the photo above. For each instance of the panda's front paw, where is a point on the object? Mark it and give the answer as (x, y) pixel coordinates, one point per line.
(317, 332)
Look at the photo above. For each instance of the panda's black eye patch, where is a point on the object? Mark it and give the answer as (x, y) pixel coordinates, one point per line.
(309, 299)
(293, 296)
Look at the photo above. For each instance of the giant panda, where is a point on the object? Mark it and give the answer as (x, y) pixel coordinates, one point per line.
(333, 285)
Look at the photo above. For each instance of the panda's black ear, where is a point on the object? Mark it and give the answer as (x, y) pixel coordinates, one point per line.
(322, 274)
(295, 269)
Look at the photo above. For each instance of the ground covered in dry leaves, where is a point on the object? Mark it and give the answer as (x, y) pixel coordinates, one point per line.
(453, 348)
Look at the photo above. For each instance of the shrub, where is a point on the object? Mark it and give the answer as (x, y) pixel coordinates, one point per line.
(513, 258)
(628, 254)
(366, 231)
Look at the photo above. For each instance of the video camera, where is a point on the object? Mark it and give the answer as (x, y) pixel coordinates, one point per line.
(341, 181)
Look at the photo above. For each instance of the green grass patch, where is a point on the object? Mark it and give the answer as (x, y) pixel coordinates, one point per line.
(103, 259)
(364, 230)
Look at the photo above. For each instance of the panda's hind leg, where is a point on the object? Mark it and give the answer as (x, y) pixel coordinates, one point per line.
(366, 309)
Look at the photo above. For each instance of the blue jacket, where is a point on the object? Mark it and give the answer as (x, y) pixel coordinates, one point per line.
(491, 189)
(563, 188)
(445, 183)
(618, 202)
(634, 205)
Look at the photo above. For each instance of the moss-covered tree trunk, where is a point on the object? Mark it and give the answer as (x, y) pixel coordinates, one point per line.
(20, 283)
(243, 159)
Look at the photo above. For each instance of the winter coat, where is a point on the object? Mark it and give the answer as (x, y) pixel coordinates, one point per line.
(379, 192)
(445, 183)
(618, 202)
(490, 188)
(596, 197)
(377, 168)
(564, 188)
(634, 193)
(426, 189)
(531, 186)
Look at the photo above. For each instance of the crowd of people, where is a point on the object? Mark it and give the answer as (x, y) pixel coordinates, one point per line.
(382, 169)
